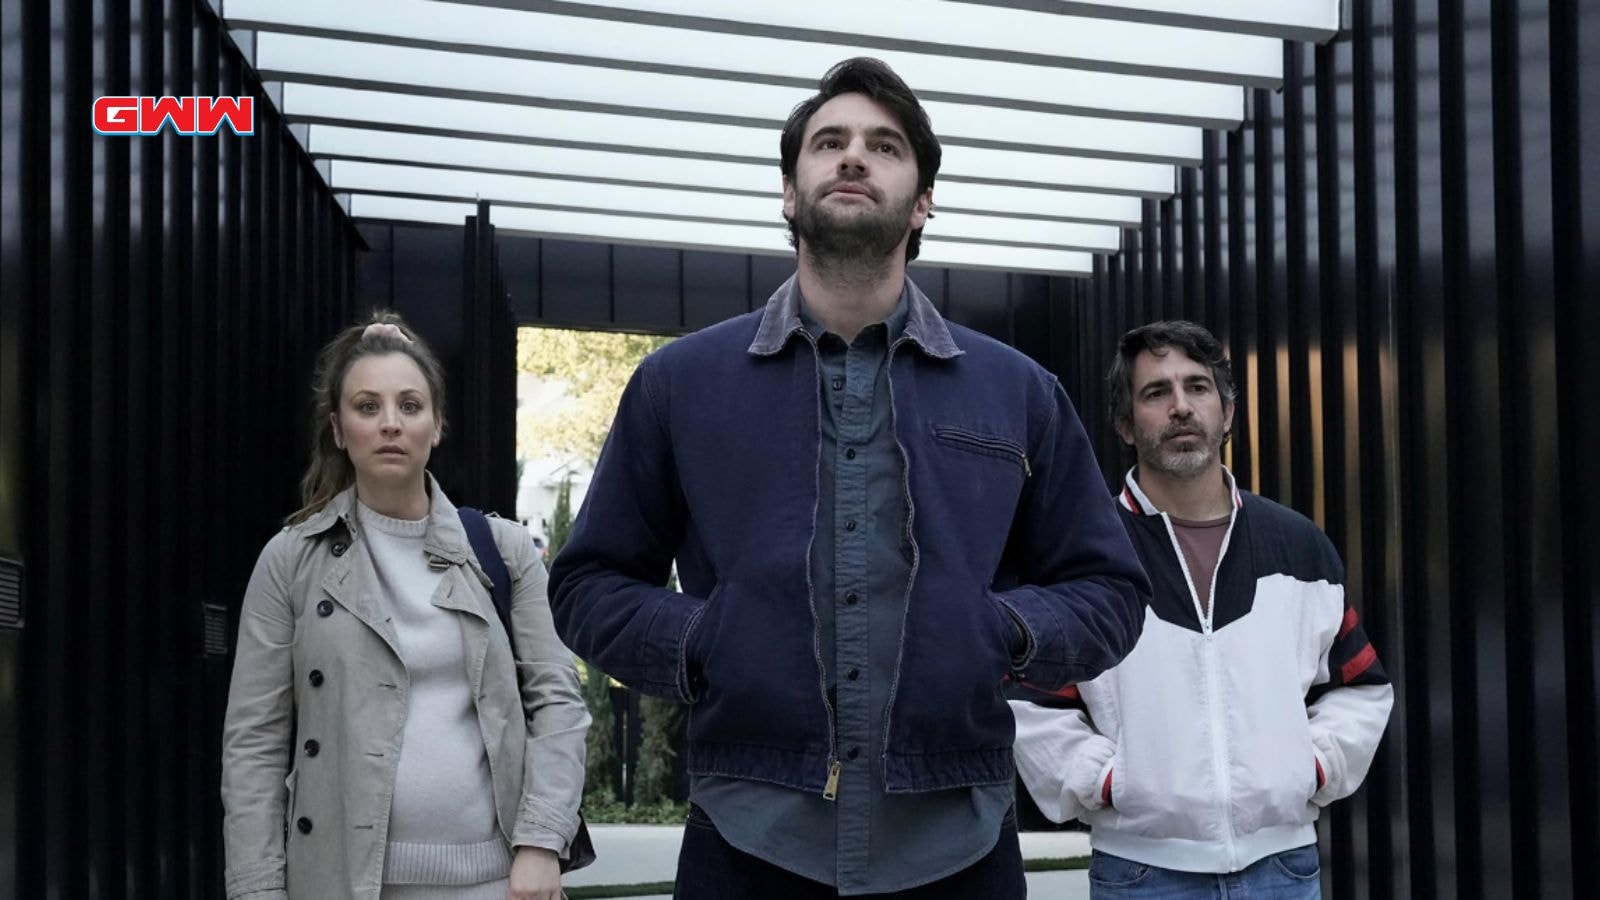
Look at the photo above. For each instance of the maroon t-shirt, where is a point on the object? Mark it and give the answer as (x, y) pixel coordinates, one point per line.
(1202, 545)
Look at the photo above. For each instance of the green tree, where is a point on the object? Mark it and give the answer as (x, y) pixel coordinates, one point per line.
(661, 722)
(561, 518)
(603, 765)
(592, 367)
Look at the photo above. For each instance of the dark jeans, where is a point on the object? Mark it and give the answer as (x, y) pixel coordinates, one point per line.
(710, 868)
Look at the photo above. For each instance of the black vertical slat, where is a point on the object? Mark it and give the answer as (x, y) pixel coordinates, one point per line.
(64, 395)
(1297, 300)
(1460, 477)
(106, 840)
(1240, 307)
(1171, 277)
(1575, 99)
(1150, 263)
(1268, 421)
(1193, 307)
(1214, 316)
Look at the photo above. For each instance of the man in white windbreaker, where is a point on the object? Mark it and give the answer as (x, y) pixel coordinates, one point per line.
(1253, 697)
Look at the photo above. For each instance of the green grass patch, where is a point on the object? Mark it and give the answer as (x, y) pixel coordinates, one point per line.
(602, 810)
(602, 891)
(1068, 864)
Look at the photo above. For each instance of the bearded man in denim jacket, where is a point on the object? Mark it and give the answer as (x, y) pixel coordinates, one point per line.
(877, 518)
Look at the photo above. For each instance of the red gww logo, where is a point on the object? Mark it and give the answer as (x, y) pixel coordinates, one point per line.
(187, 115)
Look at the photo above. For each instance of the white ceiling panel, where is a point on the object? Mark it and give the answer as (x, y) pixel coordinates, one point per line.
(749, 57)
(288, 56)
(657, 121)
(339, 142)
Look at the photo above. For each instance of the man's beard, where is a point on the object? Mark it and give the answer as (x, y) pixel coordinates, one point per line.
(1181, 464)
(850, 241)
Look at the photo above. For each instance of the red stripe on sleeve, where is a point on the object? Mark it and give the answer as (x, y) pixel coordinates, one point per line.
(1070, 692)
(1349, 623)
(1322, 780)
(1362, 662)
(1105, 789)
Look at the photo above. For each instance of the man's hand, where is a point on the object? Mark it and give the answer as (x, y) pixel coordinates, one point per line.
(535, 875)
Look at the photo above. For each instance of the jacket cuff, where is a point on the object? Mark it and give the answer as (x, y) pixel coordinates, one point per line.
(1326, 755)
(538, 821)
(1090, 767)
(264, 880)
(1035, 619)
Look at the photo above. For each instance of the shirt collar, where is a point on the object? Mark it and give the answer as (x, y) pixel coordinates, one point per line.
(1133, 497)
(922, 324)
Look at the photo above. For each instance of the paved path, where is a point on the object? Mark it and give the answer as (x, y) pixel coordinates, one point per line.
(641, 854)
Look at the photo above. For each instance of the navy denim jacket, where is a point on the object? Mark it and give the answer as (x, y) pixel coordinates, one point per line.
(712, 460)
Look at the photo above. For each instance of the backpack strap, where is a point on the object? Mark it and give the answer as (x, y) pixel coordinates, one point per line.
(480, 534)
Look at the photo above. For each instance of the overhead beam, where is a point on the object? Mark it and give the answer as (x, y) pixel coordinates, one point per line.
(548, 37)
(960, 29)
(561, 85)
(688, 205)
(717, 176)
(1315, 21)
(698, 235)
(694, 140)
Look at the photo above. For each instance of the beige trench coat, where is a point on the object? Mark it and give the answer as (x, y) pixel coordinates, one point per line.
(317, 659)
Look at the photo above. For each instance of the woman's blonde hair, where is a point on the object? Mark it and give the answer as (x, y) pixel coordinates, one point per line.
(330, 470)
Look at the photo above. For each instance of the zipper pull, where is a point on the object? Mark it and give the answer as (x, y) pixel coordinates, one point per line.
(830, 791)
(1027, 470)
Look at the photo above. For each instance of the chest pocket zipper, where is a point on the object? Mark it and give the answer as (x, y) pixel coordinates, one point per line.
(980, 443)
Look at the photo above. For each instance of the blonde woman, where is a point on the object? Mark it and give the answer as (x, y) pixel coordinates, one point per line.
(383, 741)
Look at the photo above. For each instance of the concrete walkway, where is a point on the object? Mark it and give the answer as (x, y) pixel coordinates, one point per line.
(643, 854)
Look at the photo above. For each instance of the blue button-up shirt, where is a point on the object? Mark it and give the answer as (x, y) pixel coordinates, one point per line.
(866, 841)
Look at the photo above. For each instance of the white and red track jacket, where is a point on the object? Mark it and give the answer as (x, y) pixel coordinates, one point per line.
(1216, 742)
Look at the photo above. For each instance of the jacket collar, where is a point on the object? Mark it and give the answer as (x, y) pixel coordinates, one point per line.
(780, 321)
(446, 538)
(1133, 497)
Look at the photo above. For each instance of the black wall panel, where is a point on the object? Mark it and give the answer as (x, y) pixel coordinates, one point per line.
(162, 299)
(1399, 250)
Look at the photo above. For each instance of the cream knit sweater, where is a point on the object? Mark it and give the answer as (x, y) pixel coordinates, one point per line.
(442, 828)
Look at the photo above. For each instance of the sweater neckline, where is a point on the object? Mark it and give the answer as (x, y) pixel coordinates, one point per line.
(406, 528)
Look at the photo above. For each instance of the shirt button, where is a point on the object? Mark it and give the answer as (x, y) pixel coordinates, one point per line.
(854, 752)
(850, 599)
(304, 824)
(325, 608)
(315, 677)
(853, 674)
(838, 383)
(339, 547)
(313, 748)
(850, 525)
(850, 454)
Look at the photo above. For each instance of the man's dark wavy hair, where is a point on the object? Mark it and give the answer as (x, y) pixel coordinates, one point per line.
(874, 78)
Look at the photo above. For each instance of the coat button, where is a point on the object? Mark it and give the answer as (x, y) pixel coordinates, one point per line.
(339, 547)
(854, 752)
(850, 599)
(850, 454)
(313, 748)
(325, 608)
(853, 674)
(304, 824)
(315, 677)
